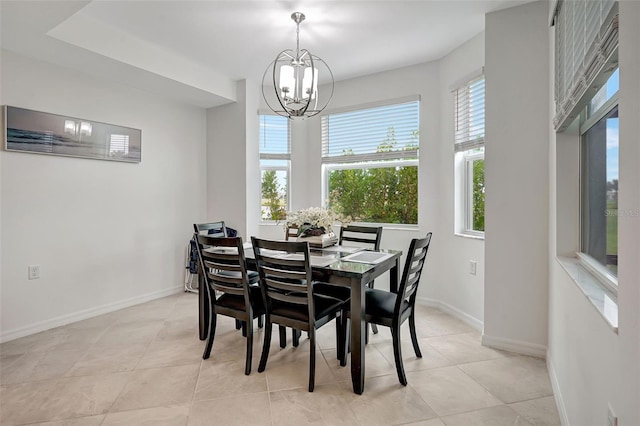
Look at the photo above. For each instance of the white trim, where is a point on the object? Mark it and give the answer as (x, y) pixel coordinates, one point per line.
(601, 299)
(87, 313)
(453, 311)
(602, 274)
(517, 346)
(476, 235)
(557, 394)
(466, 234)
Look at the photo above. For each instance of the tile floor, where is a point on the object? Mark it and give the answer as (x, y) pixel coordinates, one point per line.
(143, 366)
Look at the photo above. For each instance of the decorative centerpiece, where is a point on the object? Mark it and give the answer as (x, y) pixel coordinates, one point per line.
(315, 225)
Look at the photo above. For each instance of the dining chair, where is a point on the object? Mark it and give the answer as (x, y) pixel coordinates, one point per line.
(392, 309)
(233, 292)
(291, 232)
(369, 236)
(289, 297)
(216, 229)
(219, 229)
(213, 229)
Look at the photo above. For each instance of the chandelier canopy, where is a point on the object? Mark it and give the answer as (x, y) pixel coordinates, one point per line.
(293, 78)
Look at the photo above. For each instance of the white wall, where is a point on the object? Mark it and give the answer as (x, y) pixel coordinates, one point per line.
(591, 366)
(233, 172)
(460, 293)
(105, 234)
(517, 176)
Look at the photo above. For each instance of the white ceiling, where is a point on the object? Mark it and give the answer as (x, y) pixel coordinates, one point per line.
(194, 51)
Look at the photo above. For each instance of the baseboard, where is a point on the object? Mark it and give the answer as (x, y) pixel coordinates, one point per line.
(87, 313)
(557, 394)
(453, 311)
(524, 348)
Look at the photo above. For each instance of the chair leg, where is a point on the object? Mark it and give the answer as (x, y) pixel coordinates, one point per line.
(238, 324)
(397, 353)
(374, 327)
(247, 363)
(244, 328)
(312, 360)
(414, 337)
(283, 336)
(295, 337)
(344, 339)
(212, 335)
(265, 346)
(339, 342)
(261, 321)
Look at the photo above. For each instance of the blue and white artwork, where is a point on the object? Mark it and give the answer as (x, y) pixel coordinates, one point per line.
(45, 133)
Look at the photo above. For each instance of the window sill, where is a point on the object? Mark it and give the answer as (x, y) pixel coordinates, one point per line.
(605, 302)
(470, 236)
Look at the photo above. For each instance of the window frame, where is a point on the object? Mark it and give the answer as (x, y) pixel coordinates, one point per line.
(464, 155)
(286, 168)
(469, 159)
(588, 120)
(406, 158)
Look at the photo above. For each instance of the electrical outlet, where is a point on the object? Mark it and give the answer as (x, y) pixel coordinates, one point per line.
(612, 420)
(34, 272)
(472, 267)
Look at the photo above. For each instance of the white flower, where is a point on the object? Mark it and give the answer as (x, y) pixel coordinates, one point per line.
(313, 217)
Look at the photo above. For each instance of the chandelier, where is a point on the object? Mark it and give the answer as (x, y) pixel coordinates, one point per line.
(293, 76)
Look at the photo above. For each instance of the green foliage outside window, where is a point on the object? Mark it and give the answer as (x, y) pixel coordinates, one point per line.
(377, 194)
(274, 197)
(478, 195)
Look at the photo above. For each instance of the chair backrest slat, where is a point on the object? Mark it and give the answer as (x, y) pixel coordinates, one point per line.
(362, 234)
(414, 264)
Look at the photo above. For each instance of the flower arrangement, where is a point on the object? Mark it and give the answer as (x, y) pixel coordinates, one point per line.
(314, 220)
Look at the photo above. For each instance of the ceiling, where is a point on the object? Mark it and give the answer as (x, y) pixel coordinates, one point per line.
(194, 51)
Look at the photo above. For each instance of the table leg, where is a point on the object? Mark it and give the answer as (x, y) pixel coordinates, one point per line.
(358, 331)
(203, 307)
(393, 279)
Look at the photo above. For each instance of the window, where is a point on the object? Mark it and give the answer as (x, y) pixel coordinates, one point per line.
(275, 158)
(599, 181)
(370, 163)
(118, 145)
(586, 86)
(469, 148)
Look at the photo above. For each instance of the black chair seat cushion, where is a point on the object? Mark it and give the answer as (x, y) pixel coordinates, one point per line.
(236, 302)
(332, 290)
(251, 275)
(380, 303)
(323, 306)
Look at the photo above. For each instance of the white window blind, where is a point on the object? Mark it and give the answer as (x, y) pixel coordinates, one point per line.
(274, 138)
(382, 133)
(468, 103)
(119, 144)
(586, 41)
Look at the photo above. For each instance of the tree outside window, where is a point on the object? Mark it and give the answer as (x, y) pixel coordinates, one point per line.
(275, 158)
(371, 163)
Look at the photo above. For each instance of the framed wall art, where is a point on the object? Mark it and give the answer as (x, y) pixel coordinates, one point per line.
(44, 133)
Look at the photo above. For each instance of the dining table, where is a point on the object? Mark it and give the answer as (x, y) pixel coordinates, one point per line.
(351, 267)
